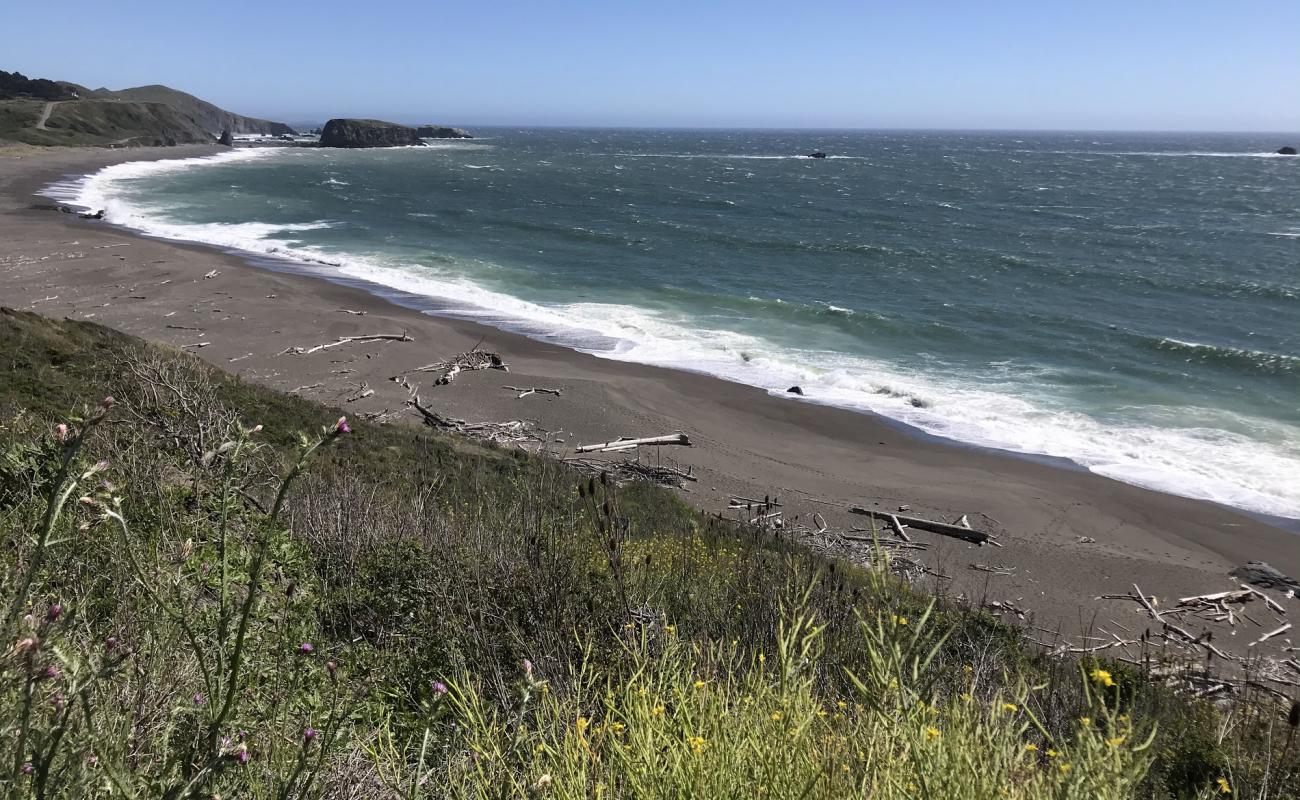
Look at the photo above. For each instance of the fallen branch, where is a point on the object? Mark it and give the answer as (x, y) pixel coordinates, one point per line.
(342, 340)
(629, 444)
(532, 390)
(1270, 635)
(942, 528)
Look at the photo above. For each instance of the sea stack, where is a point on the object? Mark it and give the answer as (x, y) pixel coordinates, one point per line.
(442, 132)
(367, 133)
(1287, 151)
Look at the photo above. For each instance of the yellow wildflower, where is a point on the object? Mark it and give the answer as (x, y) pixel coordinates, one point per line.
(1008, 707)
(582, 724)
(1115, 741)
(821, 712)
(932, 732)
(617, 727)
(657, 711)
(1085, 721)
(671, 629)
(841, 705)
(696, 743)
(1102, 677)
(700, 684)
(1031, 748)
(1064, 768)
(1224, 788)
(1052, 753)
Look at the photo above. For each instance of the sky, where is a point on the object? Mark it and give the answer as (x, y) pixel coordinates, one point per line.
(1049, 64)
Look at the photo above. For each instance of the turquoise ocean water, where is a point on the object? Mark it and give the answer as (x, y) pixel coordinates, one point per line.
(1129, 302)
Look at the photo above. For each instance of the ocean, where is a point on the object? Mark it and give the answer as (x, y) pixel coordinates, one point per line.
(1128, 302)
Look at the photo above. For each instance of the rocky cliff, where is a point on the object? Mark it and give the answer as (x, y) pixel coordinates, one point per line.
(442, 132)
(367, 133)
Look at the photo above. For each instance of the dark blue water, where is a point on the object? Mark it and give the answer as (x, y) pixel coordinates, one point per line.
(1131, 302)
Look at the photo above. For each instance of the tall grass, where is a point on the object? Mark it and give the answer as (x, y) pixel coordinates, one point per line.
(198, 606)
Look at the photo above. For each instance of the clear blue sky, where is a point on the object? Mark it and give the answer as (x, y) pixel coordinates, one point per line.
(1135, 65)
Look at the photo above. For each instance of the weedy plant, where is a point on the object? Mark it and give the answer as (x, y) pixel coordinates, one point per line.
(63, 691)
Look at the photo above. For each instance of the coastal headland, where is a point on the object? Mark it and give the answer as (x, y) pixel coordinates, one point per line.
(1067, 536)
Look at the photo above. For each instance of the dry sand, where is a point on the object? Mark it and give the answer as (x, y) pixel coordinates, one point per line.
(814, 458)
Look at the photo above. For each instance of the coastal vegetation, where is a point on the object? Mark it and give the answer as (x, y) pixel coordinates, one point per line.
(213, 589)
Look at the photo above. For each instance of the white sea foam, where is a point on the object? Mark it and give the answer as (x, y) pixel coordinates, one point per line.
(1247, 463)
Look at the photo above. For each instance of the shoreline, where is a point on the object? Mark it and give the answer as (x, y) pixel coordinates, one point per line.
(748, 442)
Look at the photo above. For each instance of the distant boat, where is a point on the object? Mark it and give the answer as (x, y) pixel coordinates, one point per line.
(816, 154)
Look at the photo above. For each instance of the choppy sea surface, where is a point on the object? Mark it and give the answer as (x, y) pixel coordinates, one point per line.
(1128, 302)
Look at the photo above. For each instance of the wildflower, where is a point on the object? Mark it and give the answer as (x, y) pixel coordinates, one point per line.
(1064, 768)
(332, 667)
(309, 735)
(821, 712)
(670, 629)
(1052, 752)
(657, 711)
(776, 716)
(931, 732)
(1224, 787)
(617, 727)
(1031, 748)
(1115, 741)
(306, 648)
(697, 743)
(49, 673)
(966, 697)
(107, 402)
(1102, 677)
(1085, 721)
(61, 432)
(256, 430)
(761, 658)
(700, 684)
(967, 668)
(900, 620)
(111, 643)
(28, 769)
(582, 724)
(342, 426)
(439, 688)
(841, 705)
(198, 698)
(1009, 707)
(528, 667)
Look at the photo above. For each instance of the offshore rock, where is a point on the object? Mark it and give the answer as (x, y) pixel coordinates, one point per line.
(1287, 151)
(367, 133)
(442, 132)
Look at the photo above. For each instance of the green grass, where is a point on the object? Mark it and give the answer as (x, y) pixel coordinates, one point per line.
(669, 654)
(99, 123)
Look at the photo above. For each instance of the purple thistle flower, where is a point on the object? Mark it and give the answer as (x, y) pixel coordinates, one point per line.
(309, 735)
(107, 402)
(306, 648)
(198, 698)
(61, 431)
(528, 667)
(53, 613)
(111, 643)
(50, 673)
(439, 688)
(342, 426)
(28, 769)
(242, 756)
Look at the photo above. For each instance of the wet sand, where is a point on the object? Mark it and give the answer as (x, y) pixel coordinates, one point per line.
(746, 442)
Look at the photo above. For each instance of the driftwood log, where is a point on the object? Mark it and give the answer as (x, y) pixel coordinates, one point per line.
(942, 528)
(469, 361)
(630, 444)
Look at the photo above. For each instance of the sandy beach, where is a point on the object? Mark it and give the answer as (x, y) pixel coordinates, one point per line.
(1068, 536)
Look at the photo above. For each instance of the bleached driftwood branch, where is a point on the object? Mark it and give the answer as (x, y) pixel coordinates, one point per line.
(630, 444)
(472, 360)
(942, 528)
(342, 340)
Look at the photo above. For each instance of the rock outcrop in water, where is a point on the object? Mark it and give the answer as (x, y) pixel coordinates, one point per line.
(227, 138)
(367, 133)
(1287, 151)
(442, 132)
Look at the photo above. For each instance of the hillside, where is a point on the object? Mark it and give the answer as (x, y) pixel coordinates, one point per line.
(364, 610)
(213, 119)
(99, 123)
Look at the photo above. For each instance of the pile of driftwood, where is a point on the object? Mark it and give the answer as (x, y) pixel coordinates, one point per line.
(511, 432)
(628, 469)
(898, 522)
(474, 359)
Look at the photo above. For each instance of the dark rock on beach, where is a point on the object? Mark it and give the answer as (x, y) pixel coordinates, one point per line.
(795, 390)
(1287, 151)
(1260, 574)
(227, 138)
(368, 133)
(816, 154)
(442, 132)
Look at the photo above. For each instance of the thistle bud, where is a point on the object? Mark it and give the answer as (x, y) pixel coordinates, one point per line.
(342, 426)
(61, 432)
(107, 403)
